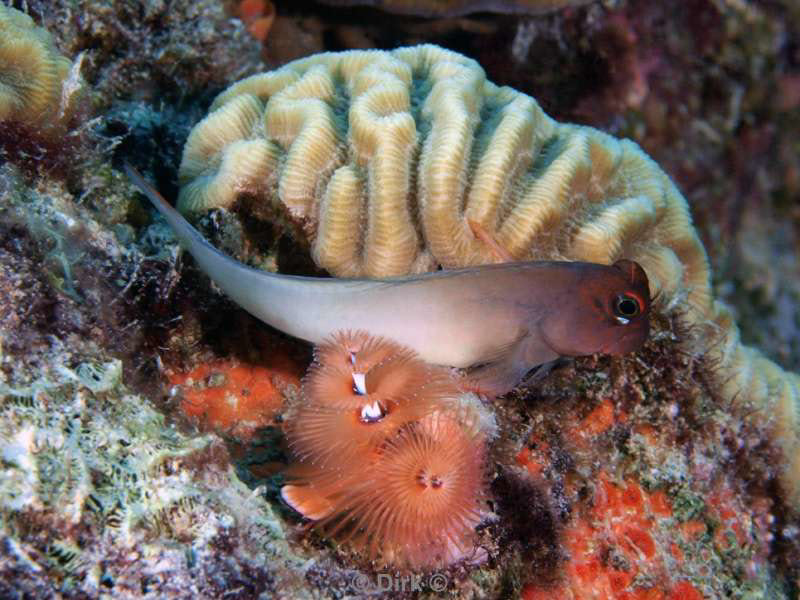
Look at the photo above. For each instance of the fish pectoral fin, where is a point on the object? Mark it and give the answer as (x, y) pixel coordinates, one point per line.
(505, 368)
(543, 370)
(494, 378)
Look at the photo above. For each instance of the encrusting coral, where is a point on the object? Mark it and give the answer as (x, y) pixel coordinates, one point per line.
(672, 524)
(387, 163)
(391, 454)
(233, 397)
(39, 88)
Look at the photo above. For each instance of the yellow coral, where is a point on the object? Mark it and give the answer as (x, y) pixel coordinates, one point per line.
(37, 90)
(387, 160)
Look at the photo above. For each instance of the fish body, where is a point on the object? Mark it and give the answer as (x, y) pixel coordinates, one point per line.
(501, 319)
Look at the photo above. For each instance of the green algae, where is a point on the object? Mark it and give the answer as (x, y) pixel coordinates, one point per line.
(99, 492)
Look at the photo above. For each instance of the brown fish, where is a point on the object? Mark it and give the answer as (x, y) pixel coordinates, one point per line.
(500, 320)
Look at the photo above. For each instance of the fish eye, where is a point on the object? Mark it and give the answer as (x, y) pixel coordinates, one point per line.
(626, 307)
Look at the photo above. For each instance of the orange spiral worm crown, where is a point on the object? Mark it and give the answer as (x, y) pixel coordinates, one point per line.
(423, 498)
(391, 454)
(359, 391)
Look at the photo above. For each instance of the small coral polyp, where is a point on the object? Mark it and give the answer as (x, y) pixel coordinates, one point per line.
(391, 461)
(387, 163)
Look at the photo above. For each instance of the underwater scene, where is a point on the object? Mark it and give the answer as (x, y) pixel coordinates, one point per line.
(468, 299)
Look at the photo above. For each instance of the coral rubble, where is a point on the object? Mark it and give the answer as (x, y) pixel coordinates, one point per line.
(100, 495)
(147, 49)
(669, 519)
(93, 482)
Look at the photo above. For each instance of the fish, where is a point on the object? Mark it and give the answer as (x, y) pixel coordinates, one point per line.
(496, 321)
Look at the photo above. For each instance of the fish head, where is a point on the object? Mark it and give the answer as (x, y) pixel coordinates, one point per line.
(605, 309)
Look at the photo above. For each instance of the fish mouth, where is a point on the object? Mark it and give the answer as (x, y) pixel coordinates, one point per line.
(623, 345)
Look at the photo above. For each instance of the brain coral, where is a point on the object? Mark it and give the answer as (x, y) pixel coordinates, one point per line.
(36, 89)
(388, 162)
